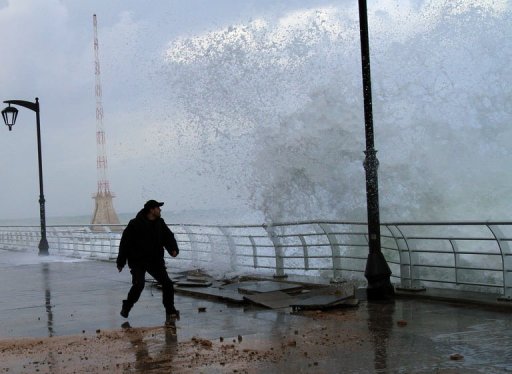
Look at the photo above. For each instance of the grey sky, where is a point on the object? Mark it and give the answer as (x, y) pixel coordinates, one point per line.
(47, 52)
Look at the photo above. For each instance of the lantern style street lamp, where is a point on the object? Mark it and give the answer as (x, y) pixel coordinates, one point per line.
(377, 271)
(9, 115)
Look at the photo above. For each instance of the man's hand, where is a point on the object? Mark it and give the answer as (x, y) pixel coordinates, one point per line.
(174, 253)
(120, 268)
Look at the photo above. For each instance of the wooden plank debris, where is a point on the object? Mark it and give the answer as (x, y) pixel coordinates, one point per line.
(272, 300)
(267, 286)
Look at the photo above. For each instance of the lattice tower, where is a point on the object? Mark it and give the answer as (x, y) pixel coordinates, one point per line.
(104, 212)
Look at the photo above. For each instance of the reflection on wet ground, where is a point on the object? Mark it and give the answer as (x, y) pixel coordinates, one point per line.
(72, 311)
(47, 298)
(380, 325)
(156, 355)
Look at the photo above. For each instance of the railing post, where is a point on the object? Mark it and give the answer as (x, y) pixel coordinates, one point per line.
(193, 245)
(71, 239)
(112, 244)
(335, 252)
(456, 259)
(57, 237)
(254, 252)
(50, 237)
(506, 259)
(212, 248)
(231, 246)
(278, 250)
(305, 251)
(82, 240)
(409, 280)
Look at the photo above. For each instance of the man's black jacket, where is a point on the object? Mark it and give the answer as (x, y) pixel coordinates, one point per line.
(143, 242)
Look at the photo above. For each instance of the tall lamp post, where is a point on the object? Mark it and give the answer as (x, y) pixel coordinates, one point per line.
(9, 114)
(377, 271)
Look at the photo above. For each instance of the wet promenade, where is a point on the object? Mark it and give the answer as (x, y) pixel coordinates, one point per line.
(55, 297)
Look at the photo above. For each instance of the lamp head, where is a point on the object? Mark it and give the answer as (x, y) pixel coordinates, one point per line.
(9, 114)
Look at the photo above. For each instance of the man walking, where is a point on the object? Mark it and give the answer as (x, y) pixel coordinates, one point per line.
(142, 246)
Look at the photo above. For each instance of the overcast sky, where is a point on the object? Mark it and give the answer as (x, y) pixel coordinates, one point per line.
(47, 52)
(258, 103)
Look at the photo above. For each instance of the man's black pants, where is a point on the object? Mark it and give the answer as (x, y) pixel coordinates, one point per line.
(139, 278)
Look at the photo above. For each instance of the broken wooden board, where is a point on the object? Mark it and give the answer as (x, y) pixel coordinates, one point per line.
(266, 286)
(321, 302)
(213, 293)
(186, 283)
(198, 278)
(272, 300)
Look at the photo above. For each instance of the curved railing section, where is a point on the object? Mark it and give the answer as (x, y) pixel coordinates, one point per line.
(472, 256)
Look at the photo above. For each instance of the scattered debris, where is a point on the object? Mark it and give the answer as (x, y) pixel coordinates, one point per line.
(202, 342)
(268, 293)
(292, 343)
(456, 356)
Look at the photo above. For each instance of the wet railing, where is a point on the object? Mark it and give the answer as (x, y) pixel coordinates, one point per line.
(473, 256)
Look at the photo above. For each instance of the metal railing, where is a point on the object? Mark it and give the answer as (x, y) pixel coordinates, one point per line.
(473, 256)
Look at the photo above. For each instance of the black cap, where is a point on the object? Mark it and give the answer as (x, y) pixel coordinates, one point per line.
(150, 204)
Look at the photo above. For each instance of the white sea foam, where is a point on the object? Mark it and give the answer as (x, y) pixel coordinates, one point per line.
(274, 108)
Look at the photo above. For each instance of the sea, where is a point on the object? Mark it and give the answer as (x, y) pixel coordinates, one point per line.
(187, 216)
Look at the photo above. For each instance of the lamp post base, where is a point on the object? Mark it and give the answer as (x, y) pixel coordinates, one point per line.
(378, 275)
(43, 247)
(382, 290)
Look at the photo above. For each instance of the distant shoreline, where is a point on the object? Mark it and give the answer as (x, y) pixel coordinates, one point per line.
(196, 216)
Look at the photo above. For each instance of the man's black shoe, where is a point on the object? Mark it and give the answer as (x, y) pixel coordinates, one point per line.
(172, 316)
(125, 310)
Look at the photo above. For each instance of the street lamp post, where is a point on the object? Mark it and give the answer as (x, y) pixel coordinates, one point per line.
(9, 114)
(377, 271)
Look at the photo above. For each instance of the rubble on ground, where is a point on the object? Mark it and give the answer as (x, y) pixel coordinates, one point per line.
(273, 294)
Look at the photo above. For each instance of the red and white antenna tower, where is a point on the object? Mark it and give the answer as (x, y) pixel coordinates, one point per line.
(104, 212)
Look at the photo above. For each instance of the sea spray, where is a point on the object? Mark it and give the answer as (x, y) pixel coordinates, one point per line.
(274, 108)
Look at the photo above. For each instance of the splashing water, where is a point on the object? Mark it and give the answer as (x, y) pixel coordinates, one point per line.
(274, 107)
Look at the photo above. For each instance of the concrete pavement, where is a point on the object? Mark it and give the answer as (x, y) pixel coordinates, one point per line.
(55, 296)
